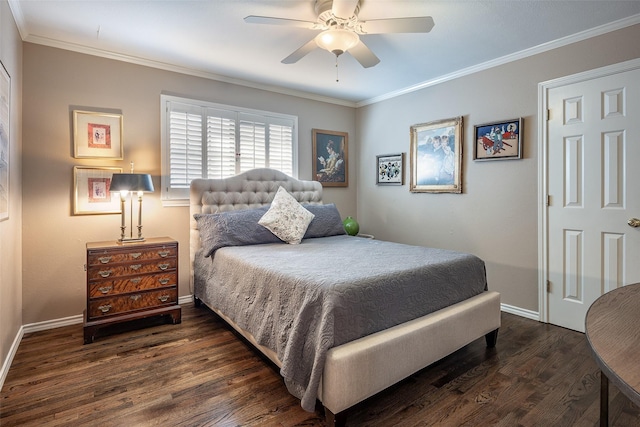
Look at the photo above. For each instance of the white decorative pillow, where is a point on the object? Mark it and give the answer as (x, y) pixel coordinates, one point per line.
(286, 218)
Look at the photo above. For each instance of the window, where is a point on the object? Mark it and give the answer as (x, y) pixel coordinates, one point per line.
(205, 140)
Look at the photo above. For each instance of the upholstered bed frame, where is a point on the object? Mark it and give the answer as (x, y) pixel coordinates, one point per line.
(359, 369)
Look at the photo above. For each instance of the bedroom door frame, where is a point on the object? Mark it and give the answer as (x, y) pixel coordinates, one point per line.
(543, 168)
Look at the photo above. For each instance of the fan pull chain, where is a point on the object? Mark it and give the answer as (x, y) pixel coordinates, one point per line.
(337, 77)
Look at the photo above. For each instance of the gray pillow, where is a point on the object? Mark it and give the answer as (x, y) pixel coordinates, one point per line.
(233, 228)
(327, 221)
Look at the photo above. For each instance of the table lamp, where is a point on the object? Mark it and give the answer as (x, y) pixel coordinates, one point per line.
(126, 184)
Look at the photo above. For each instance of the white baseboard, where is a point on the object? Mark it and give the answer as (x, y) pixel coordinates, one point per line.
(46, 325)
(72, 320)
(12, 352)
(52, 324)
(522, 312)
(185, 299)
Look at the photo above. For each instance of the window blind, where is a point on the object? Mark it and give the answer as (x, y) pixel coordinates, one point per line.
(185, 151)
(221, 145)
(206, 140)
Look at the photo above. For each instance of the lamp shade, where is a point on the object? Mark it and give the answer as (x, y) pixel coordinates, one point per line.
(131, 182)
(337, 41)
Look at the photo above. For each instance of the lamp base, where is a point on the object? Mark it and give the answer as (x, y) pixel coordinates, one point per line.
(130, 240)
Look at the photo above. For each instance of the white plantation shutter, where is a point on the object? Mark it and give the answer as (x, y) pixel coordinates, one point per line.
(253, 141)
(281, 147)
(221, 144)
(185, 153)
(206, 140)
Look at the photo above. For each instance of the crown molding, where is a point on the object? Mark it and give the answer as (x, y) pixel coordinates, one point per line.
(181, 70)
(18, 16)
(564, 41)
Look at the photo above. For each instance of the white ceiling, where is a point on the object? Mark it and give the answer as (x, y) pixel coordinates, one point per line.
(210, 38)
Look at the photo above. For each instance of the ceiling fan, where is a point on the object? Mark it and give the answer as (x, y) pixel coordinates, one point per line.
(341, 29)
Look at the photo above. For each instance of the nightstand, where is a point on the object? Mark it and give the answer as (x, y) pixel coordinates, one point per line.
(130, 281)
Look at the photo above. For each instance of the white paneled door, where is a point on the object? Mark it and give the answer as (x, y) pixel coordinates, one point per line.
(593, 158)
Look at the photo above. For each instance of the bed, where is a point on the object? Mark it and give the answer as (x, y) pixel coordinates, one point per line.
(343, 317)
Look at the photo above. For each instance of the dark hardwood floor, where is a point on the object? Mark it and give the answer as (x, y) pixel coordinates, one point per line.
(199, 373)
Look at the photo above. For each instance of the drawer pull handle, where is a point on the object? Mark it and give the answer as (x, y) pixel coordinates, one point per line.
(104, 259)
(163, 266)
(104, 308)
(104, 273)
(163, 254)
(163, 298)
(136, 266)
(135, 297)
(136, 255)
(105, 289)
(136, 280)
(163, 281)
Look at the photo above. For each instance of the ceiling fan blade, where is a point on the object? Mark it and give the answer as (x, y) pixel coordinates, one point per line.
(344, 8)
(299, 53)
(421, 24)
(252, 19)
(363, 55)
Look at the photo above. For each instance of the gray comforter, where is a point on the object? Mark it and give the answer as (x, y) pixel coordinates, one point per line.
(301, 300)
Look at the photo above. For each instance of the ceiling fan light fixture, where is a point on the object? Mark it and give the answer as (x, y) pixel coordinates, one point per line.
(337, 41)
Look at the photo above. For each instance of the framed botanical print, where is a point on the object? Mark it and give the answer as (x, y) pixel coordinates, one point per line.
(91, 194)
(97, 135)
(436, 157)
(330, 161)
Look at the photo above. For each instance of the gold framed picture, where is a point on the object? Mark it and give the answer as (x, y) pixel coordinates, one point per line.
(436, 157)
(330, 158)
(97, 135)
(91, 194)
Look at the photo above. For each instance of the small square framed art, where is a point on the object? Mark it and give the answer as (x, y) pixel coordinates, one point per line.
(390, 169)
(97, 135)
(91, 194)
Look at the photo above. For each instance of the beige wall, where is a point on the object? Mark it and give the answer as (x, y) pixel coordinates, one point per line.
(56, 82)
(496, 216)
(11, 229)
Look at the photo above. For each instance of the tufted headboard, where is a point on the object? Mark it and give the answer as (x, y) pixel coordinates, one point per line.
(250, 189)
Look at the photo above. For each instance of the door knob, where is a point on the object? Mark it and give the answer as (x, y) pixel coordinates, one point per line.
(634, 222)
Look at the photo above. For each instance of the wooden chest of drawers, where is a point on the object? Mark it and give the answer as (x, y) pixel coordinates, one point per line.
(130, 281)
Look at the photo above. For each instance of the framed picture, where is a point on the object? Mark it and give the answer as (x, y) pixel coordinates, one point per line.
(5, 123)
(436, 155)
(390, 169)
(330, 162)
(498, 141)
(91, 194)
(97, 135)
